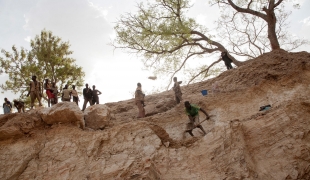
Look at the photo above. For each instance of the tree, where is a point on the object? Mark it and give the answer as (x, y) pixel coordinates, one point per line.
(247, 34)
(48, 58)
(165, 37)
(253, 21)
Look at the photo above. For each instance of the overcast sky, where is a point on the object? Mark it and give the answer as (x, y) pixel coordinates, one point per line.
(88, 26)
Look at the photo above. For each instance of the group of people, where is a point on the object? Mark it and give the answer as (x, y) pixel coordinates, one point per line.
(191, 110)
(51, 90)
(7, 106)
(91, 96)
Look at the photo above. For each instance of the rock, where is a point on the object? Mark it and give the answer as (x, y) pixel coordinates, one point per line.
(97, 116)
(19, 125)
(63, 112)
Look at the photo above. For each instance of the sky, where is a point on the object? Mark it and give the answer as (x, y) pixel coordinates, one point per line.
(88, 26)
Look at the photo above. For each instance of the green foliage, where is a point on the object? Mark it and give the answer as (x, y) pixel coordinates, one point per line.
(48, 59)
(164, 36)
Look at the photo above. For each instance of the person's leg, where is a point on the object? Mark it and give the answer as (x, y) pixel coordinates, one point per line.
(84, 105)
(196, 122)
(177, 99)
(190, 126)
(37, 93)
(190, 132)
(230, 66)
(199, 126)
(56, 99)
(32, 97)
(75, 99)
(90, 102)
(227, 65)
(140, 108)
(143, 111)
(48, 98)
(94, 100)
(97, 100)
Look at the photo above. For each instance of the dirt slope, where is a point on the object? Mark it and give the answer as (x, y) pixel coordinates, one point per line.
(242, 142)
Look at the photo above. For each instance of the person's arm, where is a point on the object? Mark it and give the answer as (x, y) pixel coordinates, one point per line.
(207, 115)
(99, 92)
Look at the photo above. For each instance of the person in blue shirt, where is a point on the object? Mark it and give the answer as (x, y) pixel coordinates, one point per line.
(7, 106)
(193, 114)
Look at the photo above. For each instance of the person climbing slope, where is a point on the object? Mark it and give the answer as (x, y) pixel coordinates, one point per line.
(192, 112)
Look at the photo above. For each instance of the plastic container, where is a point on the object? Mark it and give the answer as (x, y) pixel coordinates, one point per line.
(204, 92)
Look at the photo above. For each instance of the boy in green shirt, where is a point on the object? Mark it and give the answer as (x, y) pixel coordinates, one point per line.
(193, 114)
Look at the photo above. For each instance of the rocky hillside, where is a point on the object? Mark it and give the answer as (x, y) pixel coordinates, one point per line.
(109, 142)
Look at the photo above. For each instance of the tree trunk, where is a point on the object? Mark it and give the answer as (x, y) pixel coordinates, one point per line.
(272, 36)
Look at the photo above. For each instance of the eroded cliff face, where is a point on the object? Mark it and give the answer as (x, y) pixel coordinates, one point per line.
(242, 142)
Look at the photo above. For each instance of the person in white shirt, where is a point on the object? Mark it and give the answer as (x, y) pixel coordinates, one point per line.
(75, 95)
(66, 94)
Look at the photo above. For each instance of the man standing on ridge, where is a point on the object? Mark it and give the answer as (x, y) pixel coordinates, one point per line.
(34, 91)
(193, 114)
(96, 92)
(139, 99)
(88, 95)
(177, 90)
